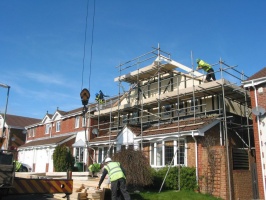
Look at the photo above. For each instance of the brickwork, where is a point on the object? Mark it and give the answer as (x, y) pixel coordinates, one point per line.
(216, 182)
(242, 184)
(261, 98)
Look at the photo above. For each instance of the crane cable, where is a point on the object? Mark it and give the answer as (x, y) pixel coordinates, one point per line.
(84, 47)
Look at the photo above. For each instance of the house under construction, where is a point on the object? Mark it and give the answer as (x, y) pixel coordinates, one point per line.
(177, 119)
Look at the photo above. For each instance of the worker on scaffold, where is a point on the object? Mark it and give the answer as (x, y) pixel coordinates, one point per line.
(208, 68)
(100, 97)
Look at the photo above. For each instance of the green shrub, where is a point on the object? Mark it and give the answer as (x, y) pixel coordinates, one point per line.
(95, 167)
(187, 178)
(63, 159)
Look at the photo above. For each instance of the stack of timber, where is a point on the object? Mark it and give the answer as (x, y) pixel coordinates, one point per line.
(83, 193)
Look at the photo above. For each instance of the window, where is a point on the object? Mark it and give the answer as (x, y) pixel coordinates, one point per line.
(152, 155)
(194, 106)
(29, 133)
(47, 128)
(159, 154)
(124, 119)
(33, 132)
(58, 126)
(167, 111)
(134, 117)
(112, 151)
(169, 152)
(79, 154)
(84, 121)
(166, 151)
(181, 153)
(180, 108)
(100, 155)
(77, 122)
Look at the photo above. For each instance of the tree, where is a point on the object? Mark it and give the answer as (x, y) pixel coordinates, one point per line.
(137, 167)
(63, 159)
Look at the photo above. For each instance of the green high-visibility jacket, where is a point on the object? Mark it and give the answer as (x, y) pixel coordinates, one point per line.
(18, 165)
(114, 171)
(203, 65)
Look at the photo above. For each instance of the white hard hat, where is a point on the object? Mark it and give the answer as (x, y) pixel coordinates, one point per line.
(108, 160)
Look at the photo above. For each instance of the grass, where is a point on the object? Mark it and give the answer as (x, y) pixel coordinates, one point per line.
(180, 195)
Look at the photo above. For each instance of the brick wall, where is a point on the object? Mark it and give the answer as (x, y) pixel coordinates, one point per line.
(217, 184)
(215, 179)
(242, 182)
(261, 98)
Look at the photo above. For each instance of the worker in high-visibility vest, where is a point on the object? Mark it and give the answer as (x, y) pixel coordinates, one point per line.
(99, 97)
(17, 165)
(117, 177)
(208, 68)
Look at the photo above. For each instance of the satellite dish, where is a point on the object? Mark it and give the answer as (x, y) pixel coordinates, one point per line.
(95, 131)
(258, 110)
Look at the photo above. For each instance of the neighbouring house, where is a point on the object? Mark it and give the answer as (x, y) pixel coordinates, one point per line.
(169, 113)
(13, 132)
(256, 84)
(60, 128)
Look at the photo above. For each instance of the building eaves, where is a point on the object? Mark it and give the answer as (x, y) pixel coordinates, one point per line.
(48, 141)
(19, 121)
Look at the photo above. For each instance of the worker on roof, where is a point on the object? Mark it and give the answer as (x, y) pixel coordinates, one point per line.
(208, 68)
(100, 97)
(117, 177)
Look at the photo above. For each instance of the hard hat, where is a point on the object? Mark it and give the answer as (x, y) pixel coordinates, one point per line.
(198, 60)
(96, 94)
(108, 160)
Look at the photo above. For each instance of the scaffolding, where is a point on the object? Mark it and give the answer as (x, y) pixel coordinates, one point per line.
(158, 93)
(165, 91)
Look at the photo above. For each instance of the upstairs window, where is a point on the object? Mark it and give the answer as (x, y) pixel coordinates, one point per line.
(124, 119)
(167, 111)
(58, 126)
(194, 105)
(180, 108)
(134, 118)
(33, 132)
(47, 128)
(77, 122)
(84, 121)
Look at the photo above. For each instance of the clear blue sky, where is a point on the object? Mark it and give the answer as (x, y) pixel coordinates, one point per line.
(42, 42)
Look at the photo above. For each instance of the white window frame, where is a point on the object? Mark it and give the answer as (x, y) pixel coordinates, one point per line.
(84, 121)
(77, 121)
(33, 132)
(58, 126)
(47, 128)
(154, 162)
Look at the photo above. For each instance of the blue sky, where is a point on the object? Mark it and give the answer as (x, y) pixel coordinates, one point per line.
(42, 44)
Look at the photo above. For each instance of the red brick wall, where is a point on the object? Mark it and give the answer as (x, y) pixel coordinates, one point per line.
(242, 182)
(67, 126)
(218, 185)
(261, 102)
